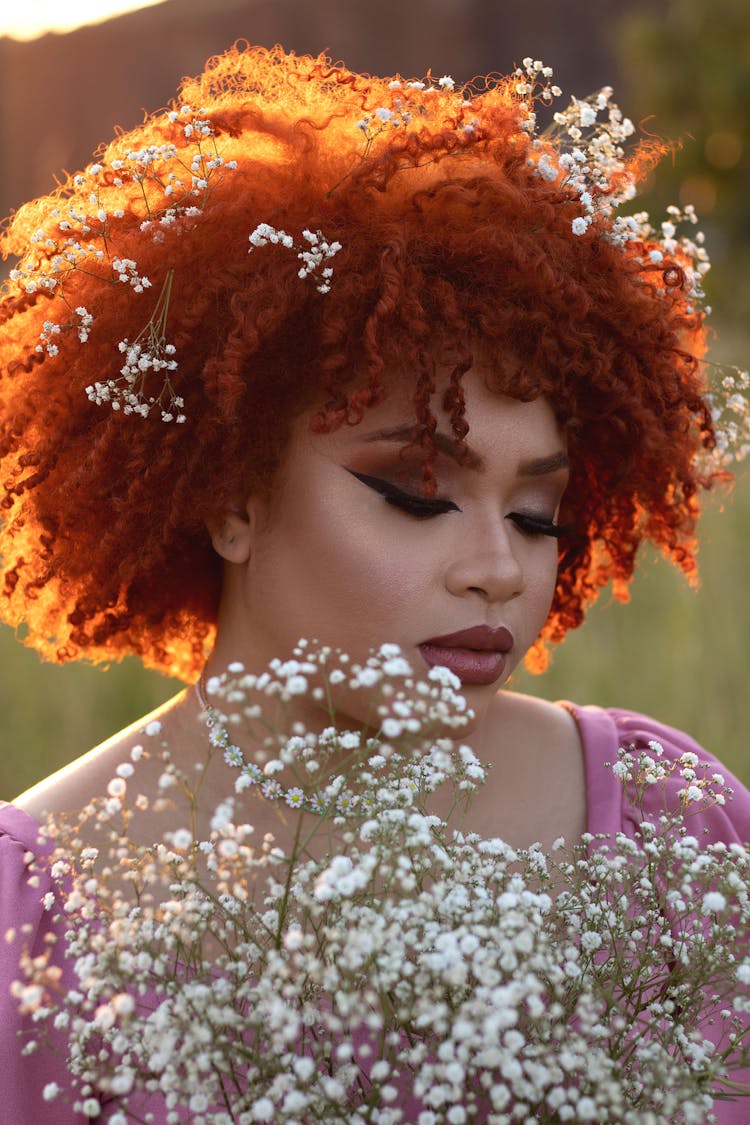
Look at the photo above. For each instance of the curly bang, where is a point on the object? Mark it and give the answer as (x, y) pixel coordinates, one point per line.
(464, 237)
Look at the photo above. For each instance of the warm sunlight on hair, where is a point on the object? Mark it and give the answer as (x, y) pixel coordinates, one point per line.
(36, 17)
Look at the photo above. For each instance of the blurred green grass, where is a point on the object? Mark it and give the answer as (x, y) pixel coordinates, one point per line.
(52, 714)
(674, 653)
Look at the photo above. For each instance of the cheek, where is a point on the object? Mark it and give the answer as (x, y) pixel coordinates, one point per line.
(389, 570)
(541, 583)
(331, 564)
(361, 580)
(547, 580)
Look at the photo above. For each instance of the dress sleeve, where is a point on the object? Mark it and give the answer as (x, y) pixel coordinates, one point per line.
(727, 823)
(603, 732)
(24, 921)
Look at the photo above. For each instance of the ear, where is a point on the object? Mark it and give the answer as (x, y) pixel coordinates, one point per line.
(233, 531)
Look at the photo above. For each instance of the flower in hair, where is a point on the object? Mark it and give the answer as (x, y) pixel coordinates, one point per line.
(318, 251)
(175, 185)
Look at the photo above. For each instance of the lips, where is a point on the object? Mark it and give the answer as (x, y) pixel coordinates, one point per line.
(476, 655)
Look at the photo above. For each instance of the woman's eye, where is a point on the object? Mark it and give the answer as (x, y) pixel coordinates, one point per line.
(538, 525)
(423, 506)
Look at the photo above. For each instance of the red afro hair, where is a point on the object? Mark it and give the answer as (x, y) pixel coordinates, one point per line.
(458, 245)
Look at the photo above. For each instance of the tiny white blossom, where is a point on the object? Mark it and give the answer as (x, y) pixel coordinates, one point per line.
(713, 902)
(262, 1110)
(117, 787)
(181, 839)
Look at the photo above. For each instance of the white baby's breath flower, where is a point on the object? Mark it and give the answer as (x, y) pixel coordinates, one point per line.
(313, 256)
(296, 685)
(181, 839)
(713, 903)
(117, 787)
(262, 1110)
(591, 940)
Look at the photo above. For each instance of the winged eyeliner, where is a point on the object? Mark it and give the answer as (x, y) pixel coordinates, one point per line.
(423, 505)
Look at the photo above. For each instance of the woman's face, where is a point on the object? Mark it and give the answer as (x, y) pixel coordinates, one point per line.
(348, 552)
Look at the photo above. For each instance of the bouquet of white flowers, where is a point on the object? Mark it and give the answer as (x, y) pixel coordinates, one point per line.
(405, 971)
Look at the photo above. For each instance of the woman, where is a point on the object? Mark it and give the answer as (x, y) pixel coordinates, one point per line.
(317, 354)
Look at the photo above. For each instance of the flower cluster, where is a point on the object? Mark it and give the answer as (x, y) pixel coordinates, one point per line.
(584, 150)
(407, 709)
(406, 972)
(175, 183)
(729, 400)
(312, 256)
(399, 115)
(149, 353)
(373, 124)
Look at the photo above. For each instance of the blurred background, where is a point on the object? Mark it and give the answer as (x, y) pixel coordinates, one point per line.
(680, 68)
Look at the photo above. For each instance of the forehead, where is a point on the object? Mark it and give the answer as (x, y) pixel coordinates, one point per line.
(498, 425)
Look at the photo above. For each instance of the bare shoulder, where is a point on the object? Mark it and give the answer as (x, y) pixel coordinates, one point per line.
(77, 783)
(536, 725)
(536, 788)
(543, 742)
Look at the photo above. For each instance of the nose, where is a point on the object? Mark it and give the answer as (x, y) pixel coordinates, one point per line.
(487, 562)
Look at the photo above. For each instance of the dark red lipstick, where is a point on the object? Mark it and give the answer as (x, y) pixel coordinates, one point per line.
(476, 655)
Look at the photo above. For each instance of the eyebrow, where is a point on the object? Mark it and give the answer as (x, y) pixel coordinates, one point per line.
(536, 467)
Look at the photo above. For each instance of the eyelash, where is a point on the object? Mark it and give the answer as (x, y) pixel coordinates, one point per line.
(424, 507)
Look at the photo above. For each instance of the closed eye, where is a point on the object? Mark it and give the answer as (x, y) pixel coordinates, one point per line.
(420, 506)
(423, 507)
(539, 525)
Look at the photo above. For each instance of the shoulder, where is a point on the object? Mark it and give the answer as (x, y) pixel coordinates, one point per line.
(608, 729)
(605, 731)
(531, 720)
(536, 789)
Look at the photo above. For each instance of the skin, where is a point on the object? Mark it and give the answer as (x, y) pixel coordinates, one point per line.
(328, 557)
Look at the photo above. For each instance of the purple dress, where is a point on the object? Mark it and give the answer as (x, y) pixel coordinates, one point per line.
(22, 1079)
